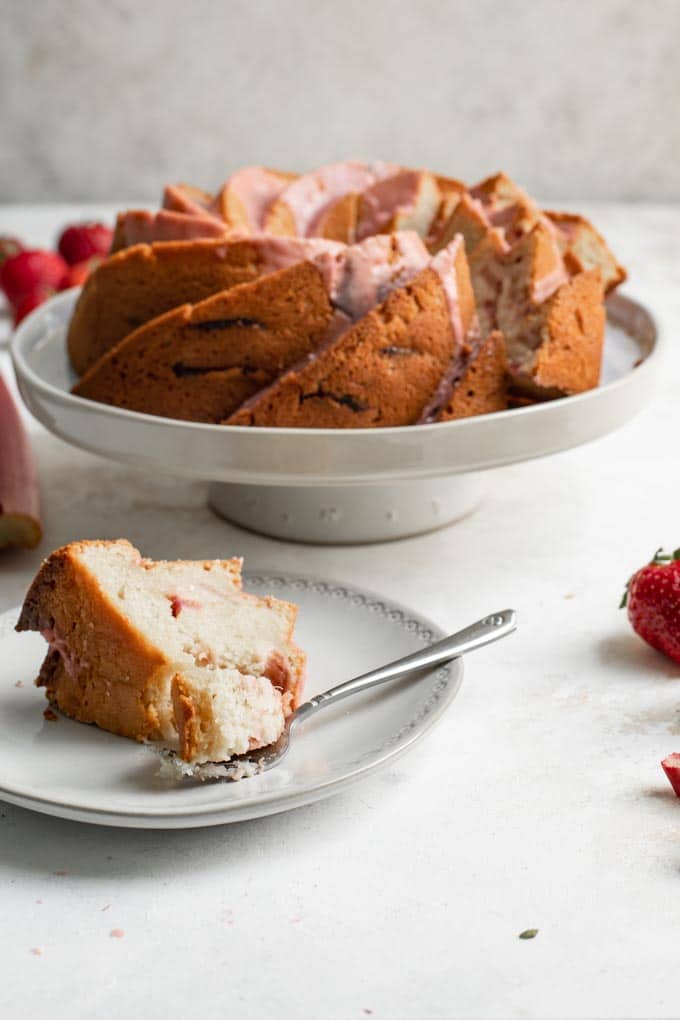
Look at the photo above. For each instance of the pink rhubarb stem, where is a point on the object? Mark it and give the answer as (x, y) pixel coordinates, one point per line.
(19, 493)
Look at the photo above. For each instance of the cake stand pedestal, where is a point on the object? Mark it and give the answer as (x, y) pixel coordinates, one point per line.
(347, 514)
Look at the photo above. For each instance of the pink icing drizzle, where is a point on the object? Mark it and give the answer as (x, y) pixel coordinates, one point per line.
(311, 194)
(362, 275)
(143, 227)
(175, 199)
(257, 189)
(387, 197)
(443, 264)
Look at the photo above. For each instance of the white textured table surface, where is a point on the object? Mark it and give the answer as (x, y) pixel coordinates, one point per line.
(537, 803)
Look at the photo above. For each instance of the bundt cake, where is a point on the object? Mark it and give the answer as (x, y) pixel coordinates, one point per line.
(140, 648)
(320, 300)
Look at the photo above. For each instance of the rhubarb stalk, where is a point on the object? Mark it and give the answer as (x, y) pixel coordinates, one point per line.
(19, 495)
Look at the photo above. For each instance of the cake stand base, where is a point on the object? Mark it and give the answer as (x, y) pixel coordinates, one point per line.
(347, 514)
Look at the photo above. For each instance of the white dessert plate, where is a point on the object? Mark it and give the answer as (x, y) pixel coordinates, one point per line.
(67, 769)
(337, 485)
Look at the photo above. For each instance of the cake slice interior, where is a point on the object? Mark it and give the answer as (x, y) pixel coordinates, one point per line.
(120, 628)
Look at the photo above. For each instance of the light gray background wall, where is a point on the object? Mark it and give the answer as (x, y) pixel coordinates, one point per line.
(106, 100)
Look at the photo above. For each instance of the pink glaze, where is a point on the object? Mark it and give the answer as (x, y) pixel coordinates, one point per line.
(179, 602)
(176, 199)
(362, 276)
(310, 195)
(282, 252)
(443, 264)
(387, 197)
(256, 188)
(143, 227)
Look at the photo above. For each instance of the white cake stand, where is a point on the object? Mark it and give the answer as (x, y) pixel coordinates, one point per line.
(337, 485)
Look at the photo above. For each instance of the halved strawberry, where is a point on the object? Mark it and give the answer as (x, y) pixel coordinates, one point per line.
(671, 766)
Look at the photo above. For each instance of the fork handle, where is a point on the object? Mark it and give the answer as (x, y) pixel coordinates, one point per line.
(483, 632)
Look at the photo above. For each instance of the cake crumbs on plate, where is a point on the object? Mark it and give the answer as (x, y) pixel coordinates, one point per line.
(60, 873)
(36, 951)
(19, 683)
(50, 715)
(105, 908)
(116, 933)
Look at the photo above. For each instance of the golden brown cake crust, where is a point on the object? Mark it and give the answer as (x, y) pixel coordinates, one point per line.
(201, 362)
(185, 717)
(483, 386)
(138, 284)
(467, 218)
(116, 670)
(572, 325)
(380, 372)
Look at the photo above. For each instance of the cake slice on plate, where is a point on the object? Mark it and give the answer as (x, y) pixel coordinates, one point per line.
(222, 712)
(123, 631)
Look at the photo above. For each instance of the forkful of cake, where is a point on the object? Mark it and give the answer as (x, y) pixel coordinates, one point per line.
(242, 766)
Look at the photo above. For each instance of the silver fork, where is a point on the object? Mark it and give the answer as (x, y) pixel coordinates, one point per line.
(483, 632)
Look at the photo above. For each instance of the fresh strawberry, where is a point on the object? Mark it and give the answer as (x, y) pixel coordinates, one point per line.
(77, 274)
(9, 246)
(652, 597)
(671, 766)
(29, 301)
(29, 271)
(81, 241)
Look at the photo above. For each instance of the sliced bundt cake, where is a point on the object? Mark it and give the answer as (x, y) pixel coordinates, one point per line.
(553, 326)
(383, 370)
(200, 362)
(134, 286)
